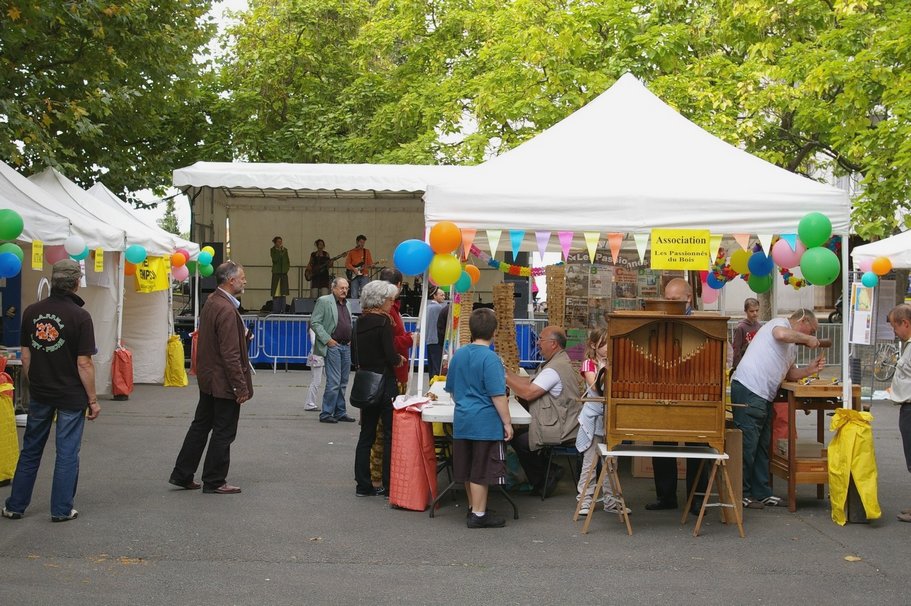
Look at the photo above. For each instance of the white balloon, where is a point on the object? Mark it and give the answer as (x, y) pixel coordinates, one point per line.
(74, 245)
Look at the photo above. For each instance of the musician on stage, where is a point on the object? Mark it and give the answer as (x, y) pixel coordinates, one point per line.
(358, 263)
(318, 270)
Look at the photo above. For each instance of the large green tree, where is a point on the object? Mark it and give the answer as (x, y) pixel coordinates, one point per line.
(817, 87)
(111, 89)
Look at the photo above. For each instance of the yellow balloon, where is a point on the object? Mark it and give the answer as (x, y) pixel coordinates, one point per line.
(208, 249)
(740, 260)
(445, 269)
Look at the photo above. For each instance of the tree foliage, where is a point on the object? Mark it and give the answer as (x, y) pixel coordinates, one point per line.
(168, 221)
(814, 86)
(103, 87)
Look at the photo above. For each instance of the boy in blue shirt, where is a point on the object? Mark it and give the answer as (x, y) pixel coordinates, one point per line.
(481, 424)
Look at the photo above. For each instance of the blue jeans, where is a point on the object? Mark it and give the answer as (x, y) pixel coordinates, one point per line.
(338, 368)
(70, 424)
(754, 421)
(356, 285)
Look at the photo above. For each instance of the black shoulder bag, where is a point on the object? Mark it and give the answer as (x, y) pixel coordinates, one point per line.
(369, 388)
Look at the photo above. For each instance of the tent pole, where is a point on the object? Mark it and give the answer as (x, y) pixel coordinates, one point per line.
(846, 309)
(422, 332)
(122, 279)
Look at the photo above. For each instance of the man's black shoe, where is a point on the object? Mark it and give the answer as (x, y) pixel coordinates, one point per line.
(328, 420)
(486, 521)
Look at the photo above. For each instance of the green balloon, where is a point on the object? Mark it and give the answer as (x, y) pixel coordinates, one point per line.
(819, 266)
(206, 270)
(10, 224)
(814, 230)
(760, 284)
(191, 265)
(11, 248)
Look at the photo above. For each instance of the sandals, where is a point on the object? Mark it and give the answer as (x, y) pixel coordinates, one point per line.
(904, 517)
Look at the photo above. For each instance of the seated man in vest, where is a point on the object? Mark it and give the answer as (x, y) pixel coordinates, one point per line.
(552, 398)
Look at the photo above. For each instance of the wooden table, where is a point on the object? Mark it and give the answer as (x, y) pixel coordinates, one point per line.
(704, 453)
(805, 470)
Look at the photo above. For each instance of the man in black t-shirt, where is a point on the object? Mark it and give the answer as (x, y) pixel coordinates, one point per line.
(58, 341)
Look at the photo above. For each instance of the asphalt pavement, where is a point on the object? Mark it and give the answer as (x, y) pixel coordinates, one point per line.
(298, 535)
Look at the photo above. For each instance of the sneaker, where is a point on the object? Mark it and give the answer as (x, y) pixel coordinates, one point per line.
(613, 505)
(373, 492)
(583, 511)
(11, 515)
(73, 515)
(486, 521)
(771, 501)
(311, 406)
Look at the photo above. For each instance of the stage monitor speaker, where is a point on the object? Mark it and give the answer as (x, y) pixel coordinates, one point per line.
(209, 284)
(302, 306)
(521, 284)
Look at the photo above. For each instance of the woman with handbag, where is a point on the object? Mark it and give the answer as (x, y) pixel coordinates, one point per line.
(374, 385)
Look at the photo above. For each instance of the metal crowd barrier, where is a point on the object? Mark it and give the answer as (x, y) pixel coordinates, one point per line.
(804, 355)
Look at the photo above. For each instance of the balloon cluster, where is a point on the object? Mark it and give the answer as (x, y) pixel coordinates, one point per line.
(11, 226)
(873, 269)
(179, 259)
(413, 257)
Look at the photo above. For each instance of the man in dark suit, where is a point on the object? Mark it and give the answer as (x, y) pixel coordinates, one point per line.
(225, 382)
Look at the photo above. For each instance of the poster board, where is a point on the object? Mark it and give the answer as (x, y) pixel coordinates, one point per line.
(862, 314)
(595, 289)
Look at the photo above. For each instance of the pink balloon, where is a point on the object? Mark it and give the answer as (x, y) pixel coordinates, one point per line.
(710, 295)
(184, 252)
(865, 264)
(784, 256)
(55, 253)
(180, 273)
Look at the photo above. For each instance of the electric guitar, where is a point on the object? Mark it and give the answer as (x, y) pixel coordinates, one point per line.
(321, 266)
(359, 266)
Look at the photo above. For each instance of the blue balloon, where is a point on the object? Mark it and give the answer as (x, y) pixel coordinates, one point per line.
(869, 279)
(204, 258)
(82, 255)
(135, 254)
(713, 282)
(760, 264)
(10, 265)
(463, 283)
(412, 257)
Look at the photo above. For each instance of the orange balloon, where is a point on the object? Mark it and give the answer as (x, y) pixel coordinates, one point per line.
(881, 266)
(474, 272)
(445, 237)
(129, 269)
(178, 260)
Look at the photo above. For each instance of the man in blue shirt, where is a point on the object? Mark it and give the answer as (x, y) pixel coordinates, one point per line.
(481, 422)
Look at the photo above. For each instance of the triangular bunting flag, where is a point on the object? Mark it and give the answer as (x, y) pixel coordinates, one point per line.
(493, 240)
(766, 241)
(641, 245)
(791, 239)
(566, 242)
(467, 240)
(743, 240)
(591, 241)
(543, 237)
(616, 241)
(715, 244)
(515, 238)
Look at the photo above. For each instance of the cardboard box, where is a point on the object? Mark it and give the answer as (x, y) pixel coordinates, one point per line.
(806, 449)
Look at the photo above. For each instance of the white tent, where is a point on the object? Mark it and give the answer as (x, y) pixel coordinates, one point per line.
(897, 248)
(147, 317)
(627, 162)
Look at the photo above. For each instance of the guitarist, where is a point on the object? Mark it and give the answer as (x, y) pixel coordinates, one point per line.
(317, 270)
(358, 263)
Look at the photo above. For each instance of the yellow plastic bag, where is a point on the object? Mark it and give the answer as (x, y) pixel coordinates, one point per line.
(175, 374)
(9, 439)
(851, 455)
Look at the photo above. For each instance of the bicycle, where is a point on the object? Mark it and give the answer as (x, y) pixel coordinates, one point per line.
(884, 360)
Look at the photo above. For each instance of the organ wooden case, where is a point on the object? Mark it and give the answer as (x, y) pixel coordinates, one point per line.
(667, 378)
